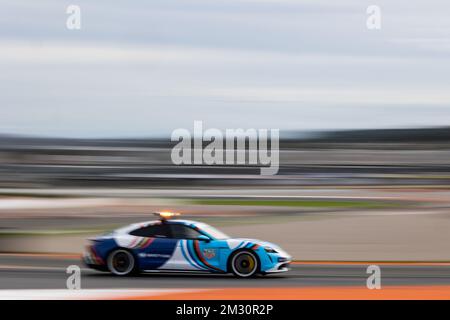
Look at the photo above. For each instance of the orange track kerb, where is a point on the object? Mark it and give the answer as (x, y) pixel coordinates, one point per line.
(315, 293)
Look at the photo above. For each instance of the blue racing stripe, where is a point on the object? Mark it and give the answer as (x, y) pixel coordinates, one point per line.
(186, 257)
(189, 245)
(240, 244)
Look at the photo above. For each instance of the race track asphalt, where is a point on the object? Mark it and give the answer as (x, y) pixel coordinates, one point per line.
(22, 271)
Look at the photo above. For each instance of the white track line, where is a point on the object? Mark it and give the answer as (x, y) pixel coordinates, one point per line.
(85, 294)
(35, 268)
(9, 204)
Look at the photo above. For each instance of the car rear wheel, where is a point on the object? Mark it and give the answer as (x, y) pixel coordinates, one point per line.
(244, 264)
(121, 262)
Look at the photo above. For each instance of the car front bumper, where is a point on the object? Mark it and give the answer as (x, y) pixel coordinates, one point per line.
(282, 264)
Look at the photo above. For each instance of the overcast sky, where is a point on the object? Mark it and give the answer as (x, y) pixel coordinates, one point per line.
(140, 68)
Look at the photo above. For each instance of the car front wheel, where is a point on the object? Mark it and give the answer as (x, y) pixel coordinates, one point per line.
(244, 264)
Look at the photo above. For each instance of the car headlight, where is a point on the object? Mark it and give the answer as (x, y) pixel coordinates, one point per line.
(270, 250)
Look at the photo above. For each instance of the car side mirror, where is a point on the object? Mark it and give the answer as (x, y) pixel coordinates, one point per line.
(203, 238)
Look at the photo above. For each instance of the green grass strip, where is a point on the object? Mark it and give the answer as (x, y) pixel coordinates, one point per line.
(297, 203)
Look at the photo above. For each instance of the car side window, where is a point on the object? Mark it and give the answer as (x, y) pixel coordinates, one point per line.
(152, 231)
(180, 231)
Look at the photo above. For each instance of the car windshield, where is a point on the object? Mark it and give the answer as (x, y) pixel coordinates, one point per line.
(213, 232)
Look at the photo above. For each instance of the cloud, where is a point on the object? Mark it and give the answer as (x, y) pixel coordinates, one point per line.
(147, 67)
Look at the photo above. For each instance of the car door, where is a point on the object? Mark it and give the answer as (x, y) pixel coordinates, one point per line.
(195, 251)
(157, 246)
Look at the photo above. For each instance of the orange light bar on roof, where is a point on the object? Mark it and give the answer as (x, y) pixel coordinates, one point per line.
(166, 214)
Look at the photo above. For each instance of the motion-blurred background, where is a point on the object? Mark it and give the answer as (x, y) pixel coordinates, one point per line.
(376, 194)
(86, 117)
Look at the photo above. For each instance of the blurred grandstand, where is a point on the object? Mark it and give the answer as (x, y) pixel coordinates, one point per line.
(362, 158)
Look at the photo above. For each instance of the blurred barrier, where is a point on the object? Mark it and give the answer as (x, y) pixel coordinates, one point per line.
(43, 244)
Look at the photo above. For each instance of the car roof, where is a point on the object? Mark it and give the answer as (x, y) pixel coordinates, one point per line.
(143, 224)
(186, 222)
(171, 221)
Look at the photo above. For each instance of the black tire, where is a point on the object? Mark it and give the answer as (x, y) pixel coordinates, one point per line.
(244, 264)
(121, 262)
